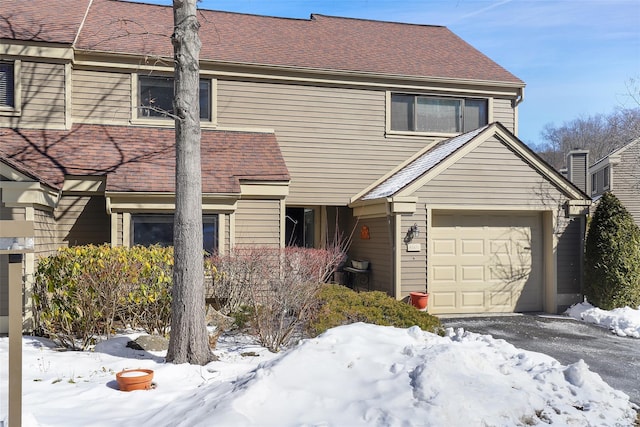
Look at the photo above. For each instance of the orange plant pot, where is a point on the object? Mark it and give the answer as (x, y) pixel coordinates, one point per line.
(419, 300)
(134, 379)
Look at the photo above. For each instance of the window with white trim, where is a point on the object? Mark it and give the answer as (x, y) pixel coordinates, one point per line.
(431, 114)
(157, 229)
(7, 85)
(155, 97)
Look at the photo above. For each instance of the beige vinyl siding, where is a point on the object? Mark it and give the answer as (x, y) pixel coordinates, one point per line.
(626, 180)
(101, 97)
(570, 237)
(377, 250)
(43, 97)
(4, 287)
(83, 220)
(492, 175)
(119, 228)
(12, 213)
(257, 222)
(504, 113)
(225, 233)
(414, 264)
(46, 242)
(331, 138)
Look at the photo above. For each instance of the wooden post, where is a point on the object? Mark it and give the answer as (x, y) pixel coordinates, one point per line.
(15, 340)
(19, 231)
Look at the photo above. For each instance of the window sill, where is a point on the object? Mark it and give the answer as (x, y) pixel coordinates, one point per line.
(167, 123)
(397, 133)
(9, 112)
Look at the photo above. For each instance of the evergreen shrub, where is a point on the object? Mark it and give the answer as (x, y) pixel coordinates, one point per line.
(339, 305)
(612, 257)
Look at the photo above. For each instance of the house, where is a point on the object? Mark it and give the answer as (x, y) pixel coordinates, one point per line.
(619, 173)
(404, 135)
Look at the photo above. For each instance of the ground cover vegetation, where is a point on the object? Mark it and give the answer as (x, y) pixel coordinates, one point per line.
(279, 295)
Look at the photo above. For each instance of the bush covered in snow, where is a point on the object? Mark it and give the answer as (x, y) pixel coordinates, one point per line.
(339, 305)
(612, 258)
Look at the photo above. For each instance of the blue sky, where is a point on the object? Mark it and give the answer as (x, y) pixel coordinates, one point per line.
(576, 56)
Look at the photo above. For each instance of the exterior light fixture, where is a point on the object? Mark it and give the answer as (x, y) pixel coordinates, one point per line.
(412, 233)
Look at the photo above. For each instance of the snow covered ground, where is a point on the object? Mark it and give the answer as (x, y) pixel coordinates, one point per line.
(621, 321)
(355, 375)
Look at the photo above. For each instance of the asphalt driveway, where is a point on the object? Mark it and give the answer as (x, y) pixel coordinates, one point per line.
(615, 359)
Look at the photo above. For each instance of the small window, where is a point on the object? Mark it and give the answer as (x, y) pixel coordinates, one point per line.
(7, 84)
(158, 230)
(417, 113)
(605, 178)
(155, 97)
(594, 183)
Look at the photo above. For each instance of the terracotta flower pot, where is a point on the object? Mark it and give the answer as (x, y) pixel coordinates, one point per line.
(134, 379)
(419, 300)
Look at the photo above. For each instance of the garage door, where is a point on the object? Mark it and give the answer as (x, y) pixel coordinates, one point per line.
(485, 263)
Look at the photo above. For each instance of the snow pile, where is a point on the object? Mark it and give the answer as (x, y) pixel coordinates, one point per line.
(355, 375)
(621, 321)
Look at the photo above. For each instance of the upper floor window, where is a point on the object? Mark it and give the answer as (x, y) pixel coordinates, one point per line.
(155, 97)
(7, 85)
(605, 178)
(420, 113)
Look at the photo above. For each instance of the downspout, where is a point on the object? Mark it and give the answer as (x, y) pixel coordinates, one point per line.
(517, 101)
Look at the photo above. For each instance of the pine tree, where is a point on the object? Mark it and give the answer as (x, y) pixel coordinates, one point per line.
(612, 257)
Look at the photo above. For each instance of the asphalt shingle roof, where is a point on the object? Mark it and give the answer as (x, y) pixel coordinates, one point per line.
(142, 159)
(319, 43)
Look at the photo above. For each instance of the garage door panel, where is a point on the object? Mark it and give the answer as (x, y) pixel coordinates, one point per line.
(444, 273)
(501, 299)
(474, 300)
(472, 273)
(472, 247)
(444, 302)
(444, 247)
(485, 263)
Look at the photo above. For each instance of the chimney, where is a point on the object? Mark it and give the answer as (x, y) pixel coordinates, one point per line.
(578, 169)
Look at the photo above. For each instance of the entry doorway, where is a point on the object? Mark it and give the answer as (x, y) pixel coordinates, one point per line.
(300, 227)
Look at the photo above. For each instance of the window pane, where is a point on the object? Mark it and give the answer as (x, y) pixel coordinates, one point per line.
(210, 233)
(402, 112)
(605, 178)
(156, 94)
(438, 115)
(6, 85)
(153, 230)
(158, 230)
(156, 97)
(475, 114)
(205, 99)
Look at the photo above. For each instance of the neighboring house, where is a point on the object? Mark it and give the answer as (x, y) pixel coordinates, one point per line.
(308, 124)
(619, 173)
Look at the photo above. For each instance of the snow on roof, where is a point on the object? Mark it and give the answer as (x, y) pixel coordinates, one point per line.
(421, 165)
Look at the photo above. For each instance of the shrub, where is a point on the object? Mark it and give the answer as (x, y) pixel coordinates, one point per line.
(339, 305)
(273, 290)
(612, 257)
(81, 291)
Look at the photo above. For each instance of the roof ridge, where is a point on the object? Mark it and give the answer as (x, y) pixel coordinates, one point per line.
(313, 15)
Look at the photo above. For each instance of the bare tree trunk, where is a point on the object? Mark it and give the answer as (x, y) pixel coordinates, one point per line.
(188, 341)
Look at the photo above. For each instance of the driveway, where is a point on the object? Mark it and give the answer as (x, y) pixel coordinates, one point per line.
(615, 359)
